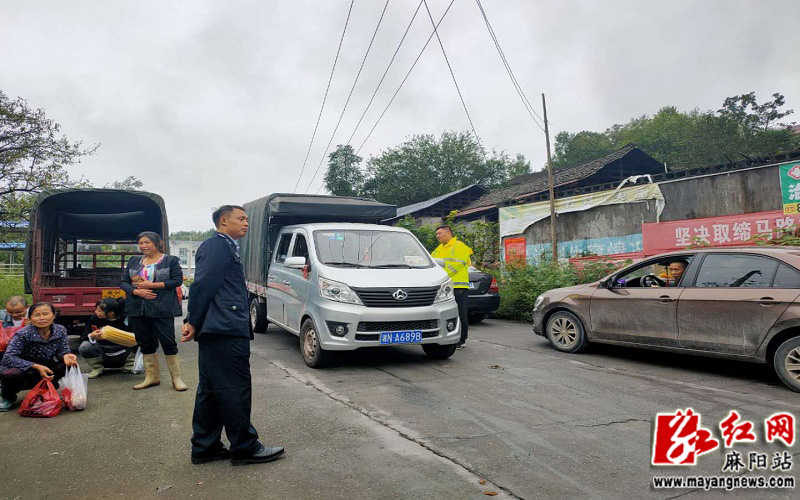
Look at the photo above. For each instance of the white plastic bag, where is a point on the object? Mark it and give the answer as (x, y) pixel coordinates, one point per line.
(74, 388)
(138, 363)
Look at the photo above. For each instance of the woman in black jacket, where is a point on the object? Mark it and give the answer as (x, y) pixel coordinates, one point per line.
(150, 282)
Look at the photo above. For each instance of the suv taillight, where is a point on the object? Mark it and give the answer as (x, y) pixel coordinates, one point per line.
(493, 288)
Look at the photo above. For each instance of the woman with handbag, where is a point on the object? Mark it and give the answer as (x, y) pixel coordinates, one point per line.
(38, 351)
(151, 306)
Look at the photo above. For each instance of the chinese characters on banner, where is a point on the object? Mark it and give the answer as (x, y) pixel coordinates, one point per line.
(680, 438)
(790, 188)
(728, 230)
(515, 250)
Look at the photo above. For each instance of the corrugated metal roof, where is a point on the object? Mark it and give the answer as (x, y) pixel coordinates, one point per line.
(409, 209)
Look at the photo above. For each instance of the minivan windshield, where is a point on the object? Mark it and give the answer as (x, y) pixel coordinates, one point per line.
(374, 249)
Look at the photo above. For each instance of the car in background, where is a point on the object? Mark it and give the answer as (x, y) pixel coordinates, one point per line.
(738, 303)
(484, 295)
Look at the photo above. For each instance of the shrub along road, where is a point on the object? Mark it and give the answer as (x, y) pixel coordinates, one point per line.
(390, 423)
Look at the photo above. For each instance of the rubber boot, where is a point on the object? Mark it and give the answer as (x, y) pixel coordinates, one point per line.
(129, 362)
(96, 365)
(151, 374)
(174, 365)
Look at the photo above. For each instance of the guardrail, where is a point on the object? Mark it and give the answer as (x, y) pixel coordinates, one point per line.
(12, 270)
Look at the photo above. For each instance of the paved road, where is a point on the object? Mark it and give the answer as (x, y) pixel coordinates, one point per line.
(390, 423)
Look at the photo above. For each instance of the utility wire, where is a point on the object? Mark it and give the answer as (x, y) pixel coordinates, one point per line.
(405, 78)
(385, 73)
(353, 88)
(531, 110)
(347, 21)
(464, 104)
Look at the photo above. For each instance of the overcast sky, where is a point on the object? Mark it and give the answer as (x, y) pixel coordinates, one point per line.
(213, 102)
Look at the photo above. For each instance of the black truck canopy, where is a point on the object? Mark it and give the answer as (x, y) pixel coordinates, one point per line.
(270, 213)
(103, 215)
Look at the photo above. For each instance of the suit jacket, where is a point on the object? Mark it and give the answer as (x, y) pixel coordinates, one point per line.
(218, 296)
(166, 304)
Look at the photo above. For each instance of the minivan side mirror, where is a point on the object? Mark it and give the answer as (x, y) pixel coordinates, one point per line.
(440, 262)
(295, 262)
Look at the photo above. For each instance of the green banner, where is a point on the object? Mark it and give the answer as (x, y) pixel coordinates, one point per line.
(790, 187)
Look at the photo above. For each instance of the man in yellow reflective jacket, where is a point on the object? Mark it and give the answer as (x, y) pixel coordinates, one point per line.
(456, 256)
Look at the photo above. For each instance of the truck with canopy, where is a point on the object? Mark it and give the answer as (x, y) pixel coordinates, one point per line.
(325, 269)
(79, 242)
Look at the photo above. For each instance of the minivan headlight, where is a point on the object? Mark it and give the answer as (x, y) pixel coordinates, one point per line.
(538, 302)
(445, 292)
(338, 292)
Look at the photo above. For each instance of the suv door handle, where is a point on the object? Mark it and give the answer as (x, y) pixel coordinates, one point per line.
(665, 299)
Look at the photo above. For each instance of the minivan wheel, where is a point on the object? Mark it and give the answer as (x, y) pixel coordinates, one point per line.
(313, 354)
(787, 363)
(565, 332)
(438, 351)
(258, 316)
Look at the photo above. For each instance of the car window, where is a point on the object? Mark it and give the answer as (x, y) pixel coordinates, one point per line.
(786, 277)
(736, 271)
(300, 247)
(660, 269)
(283, 247)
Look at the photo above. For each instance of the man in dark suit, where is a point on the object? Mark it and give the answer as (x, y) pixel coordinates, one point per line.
(218, 320)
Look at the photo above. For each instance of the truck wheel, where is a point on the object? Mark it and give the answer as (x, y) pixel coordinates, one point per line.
(476, 318)
(438, 351)
(565, 332)
(313, 354)
(258, 316)
(787, 363)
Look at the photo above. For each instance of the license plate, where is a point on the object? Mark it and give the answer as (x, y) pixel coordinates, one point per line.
(113, 294)
(410, 337)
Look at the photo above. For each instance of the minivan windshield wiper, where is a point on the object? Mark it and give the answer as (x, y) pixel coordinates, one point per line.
(345, 264)
(392, 266)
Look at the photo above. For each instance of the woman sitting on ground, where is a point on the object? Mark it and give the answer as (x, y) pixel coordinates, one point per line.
(101, 354)
(38, 351)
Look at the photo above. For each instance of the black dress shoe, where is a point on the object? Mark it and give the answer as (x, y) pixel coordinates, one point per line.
(222, 454)
(264, 455)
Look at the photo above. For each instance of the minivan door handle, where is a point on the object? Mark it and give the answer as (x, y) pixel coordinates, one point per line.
(665, 298)
(768, 301)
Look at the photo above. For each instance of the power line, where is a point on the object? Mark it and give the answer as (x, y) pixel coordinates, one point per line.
(517, 86)
(385, 73)
(353, 88)
(464, 104)
(346, 22)
(405, 78)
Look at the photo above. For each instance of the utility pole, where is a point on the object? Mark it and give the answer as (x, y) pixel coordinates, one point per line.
(550, 182)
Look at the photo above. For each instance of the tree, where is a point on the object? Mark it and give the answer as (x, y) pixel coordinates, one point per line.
(571, 149)
(424, 167)
(33, 157)
(130, 182)
(344, 176)
(192, 235)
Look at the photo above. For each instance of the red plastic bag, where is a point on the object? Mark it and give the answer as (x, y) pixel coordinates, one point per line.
(42, 401)
(5, 335)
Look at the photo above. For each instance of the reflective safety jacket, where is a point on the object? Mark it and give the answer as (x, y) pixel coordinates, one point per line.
(456, 256)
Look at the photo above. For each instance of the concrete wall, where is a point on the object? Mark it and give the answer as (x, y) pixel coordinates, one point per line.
(608, 229)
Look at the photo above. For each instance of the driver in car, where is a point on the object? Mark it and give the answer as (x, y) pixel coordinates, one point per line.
(673, 274)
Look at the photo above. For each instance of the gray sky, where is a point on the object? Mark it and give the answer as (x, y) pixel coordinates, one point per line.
(213, 102)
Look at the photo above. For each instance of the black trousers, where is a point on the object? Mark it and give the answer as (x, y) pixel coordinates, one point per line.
(224, 396)
(15, 380)
(462, 294)
(150, 331)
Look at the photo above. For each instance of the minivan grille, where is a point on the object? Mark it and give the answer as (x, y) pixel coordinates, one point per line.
(383, 297)
(397, 326)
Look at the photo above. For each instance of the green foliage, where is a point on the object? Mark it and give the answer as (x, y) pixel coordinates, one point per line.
(33, 157)
(12, 285)
(192, 235)
(520, 285)
(785, 237)
(130, 182)
(421, 168)
(426, 234)
(741, 128)
(344, 177)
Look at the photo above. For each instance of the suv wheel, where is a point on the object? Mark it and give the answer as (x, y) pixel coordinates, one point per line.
(565, 332)
(787, 363)
(258, 316)
(313, 354)
(438, 351)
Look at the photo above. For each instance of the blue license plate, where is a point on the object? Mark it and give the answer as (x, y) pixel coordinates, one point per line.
(410, 337)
